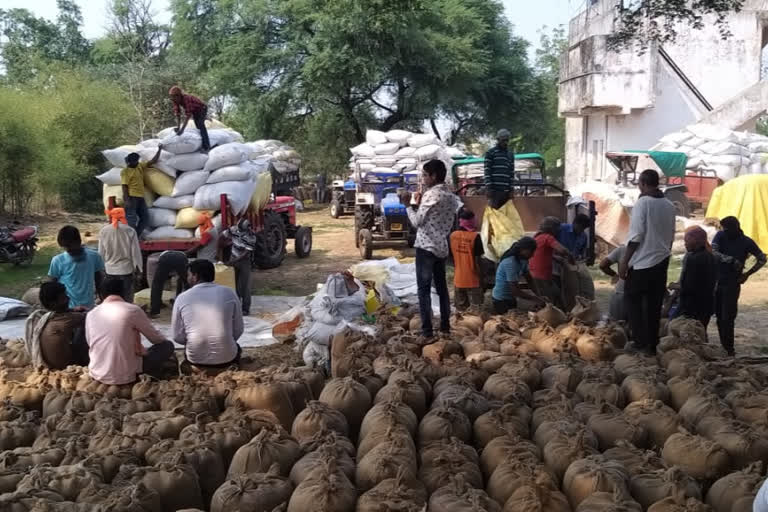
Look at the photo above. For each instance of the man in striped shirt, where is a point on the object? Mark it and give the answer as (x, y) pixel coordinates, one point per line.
(499, 170)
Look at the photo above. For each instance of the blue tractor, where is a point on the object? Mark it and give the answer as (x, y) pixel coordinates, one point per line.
(379, 213)
(343, 197)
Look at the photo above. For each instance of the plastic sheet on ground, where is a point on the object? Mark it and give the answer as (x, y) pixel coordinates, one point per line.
(13, 308)
(265, 310)
(745, 198)
(402, 279)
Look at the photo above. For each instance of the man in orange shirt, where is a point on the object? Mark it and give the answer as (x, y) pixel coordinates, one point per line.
(467, 248)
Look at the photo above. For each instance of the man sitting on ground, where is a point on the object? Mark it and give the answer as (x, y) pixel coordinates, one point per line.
(113, 332)
(56, 338)
(208, 320)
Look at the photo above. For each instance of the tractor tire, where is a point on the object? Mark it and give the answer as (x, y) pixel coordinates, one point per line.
(681, 202)
(272, 241)
(366, 244)
(365, 217)
(337, 210)
(303, 242)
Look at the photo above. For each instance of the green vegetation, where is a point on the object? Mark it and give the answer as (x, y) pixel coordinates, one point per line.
(14, 281)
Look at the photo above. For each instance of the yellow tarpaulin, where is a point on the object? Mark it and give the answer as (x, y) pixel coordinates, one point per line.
(501, 228)
(745, 198)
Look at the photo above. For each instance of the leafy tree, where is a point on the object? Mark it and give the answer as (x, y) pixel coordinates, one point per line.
(659, 21)
(30, 42)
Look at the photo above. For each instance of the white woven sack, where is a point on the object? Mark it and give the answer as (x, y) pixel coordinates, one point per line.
(171, 130)
(147, 154)
(759, 147)
(375, 137)
(220, 137)
(174, 203)
(677, 137)
(729, 160)
(390, 148)
(188, 161)
(385, 160)
(405, 152)
(228, 154)
(161, 217)
(383, 169)
(399, 136)
(427, 152)
(111, 177)
(188, 182)
(257, 149)
(168, 232)
(187, 142)
(116, 156)
(240, 172)
(149, 143)
(363, 150)
(239, 194)
(407, 161)
(165, 168)
(422, 139)
(712, 132)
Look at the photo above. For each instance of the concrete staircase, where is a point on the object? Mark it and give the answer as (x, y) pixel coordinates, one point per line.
(742, 111)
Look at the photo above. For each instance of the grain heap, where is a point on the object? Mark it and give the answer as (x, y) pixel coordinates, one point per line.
(512, 414)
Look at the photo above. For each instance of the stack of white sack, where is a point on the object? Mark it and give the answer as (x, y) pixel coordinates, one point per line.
(284, 158)
(727, 153)
(397, 151)
(330, 311)
(186, 182)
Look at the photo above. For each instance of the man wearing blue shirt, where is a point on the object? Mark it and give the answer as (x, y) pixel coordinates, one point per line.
(573, 236)
(512, 269)
(732, 247)
(574, 280)
(79, 269)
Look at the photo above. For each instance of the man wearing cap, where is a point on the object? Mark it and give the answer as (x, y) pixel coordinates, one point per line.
(499, 170)
(194, 108)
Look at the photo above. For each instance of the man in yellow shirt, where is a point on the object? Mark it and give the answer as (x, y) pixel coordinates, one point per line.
(132, 179)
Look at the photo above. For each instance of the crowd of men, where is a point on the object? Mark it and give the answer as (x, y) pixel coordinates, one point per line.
(534, 268)
(89, 317)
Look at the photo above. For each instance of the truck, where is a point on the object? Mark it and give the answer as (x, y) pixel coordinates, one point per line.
(274, 224)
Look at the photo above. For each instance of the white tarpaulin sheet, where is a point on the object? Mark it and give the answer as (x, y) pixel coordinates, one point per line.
(258, 326)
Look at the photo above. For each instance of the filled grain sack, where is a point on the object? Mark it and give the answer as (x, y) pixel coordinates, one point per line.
(363, 150)
(175, 203)
(111, 177)
(158, 182)
(419, 140)
(223, 136)
(188, 182)
(188, 161)
(238, 172)
(227, 154)
(375, 137)
(116, 156)
(388, 148)
(161, 217)
(399, 136)
(208, 197)
(187, 142)
(168, 232)
(189, 218)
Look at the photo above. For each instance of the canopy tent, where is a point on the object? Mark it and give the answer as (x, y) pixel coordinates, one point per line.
(745, 198)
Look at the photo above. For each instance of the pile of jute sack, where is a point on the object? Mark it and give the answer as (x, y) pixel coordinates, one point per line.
(397, 151)
(728, 153)
(186, 181)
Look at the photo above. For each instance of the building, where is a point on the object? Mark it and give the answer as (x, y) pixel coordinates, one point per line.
(618, 100)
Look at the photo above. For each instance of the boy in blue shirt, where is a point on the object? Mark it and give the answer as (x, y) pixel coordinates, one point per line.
(512, 267)
(79, 269)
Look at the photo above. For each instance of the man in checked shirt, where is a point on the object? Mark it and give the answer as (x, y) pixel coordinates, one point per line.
(433, 215)
(194, 109)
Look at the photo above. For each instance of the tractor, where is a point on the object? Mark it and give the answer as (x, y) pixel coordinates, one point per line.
(379, 213)
(343, 198)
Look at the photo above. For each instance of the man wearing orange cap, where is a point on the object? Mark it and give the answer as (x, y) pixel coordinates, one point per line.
(119, 248)
(194, 109)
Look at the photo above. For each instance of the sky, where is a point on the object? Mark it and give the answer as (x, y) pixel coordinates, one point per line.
(527, 16)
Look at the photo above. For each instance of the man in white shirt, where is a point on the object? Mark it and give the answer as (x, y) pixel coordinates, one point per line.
(119, 248)
(207, 319)
(433, 219)
(646, 260)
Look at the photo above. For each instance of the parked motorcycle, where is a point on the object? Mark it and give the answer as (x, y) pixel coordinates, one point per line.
(18, 246)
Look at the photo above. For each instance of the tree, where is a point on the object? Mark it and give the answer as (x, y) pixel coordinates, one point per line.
(29, 43)
(659, 21)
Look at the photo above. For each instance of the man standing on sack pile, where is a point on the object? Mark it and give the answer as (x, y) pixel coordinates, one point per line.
(132, 180)
(433, 217)
(646, 261)
(732, 247)
(194, 109)
(499, 171)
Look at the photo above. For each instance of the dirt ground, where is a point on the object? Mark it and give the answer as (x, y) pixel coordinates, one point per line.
(334, 250)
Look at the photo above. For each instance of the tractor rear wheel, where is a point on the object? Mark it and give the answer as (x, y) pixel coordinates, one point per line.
(303, 242)
(272, 240)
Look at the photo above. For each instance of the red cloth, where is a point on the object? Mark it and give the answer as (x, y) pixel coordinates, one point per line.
(540, 263)
(191, 104)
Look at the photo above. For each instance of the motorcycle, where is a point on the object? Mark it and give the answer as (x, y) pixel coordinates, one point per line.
(18, 246)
